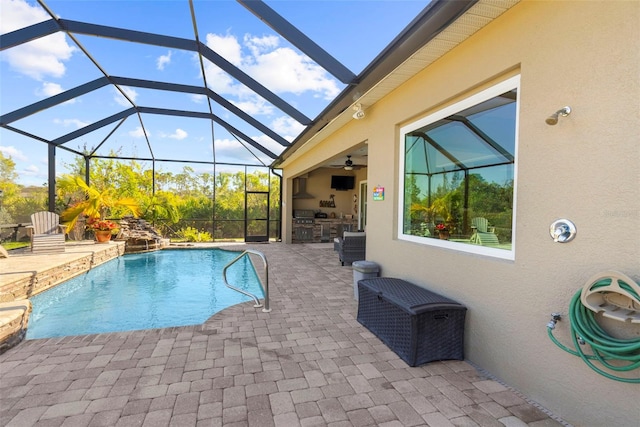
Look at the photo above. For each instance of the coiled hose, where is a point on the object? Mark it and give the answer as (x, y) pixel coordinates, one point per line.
(585, 330)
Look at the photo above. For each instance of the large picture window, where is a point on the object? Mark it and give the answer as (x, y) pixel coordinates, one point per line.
(458, 174)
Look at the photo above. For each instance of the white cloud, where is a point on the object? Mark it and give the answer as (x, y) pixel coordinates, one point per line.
(287, 127)
(138, 132)
(50, 89)
(231, 150)
(260, 45)
(280, 69)
(198, 99)
(179, 134)
(163, 60)
(13, 152)
(269, 144)
(31, 170)
(77, 123)
(284, 70)
(254, 106)
(131, 93)
(226, 46)
(38, 58)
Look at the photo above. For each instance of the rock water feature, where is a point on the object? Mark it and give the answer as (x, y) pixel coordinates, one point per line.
(140, 236)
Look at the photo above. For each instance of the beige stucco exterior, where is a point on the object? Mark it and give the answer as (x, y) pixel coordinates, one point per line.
(586, 168)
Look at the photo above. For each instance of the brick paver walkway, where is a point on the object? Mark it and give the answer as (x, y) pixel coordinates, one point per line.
(307, 363)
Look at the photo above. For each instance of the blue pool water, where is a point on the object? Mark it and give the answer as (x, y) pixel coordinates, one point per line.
(143, 291)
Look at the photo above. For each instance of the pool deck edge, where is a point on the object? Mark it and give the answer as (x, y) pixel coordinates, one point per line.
(23, 275)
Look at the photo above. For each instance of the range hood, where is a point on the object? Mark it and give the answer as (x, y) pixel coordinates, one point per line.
(300, 189)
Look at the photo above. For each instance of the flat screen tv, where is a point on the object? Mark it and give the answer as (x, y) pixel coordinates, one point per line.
(342, 182)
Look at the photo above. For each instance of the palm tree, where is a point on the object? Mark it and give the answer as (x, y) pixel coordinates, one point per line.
(96, 203)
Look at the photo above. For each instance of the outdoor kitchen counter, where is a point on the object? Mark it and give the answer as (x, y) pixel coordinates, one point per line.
(326, 229)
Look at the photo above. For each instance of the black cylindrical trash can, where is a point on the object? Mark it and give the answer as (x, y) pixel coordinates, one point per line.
(363, 270)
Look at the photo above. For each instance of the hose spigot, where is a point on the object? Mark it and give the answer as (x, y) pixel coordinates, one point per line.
(555, 318)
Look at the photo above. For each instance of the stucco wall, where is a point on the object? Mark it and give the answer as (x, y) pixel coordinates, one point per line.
(586, 168)
(319, 186)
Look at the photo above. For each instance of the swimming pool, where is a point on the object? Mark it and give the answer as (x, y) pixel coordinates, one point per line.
(175, 287)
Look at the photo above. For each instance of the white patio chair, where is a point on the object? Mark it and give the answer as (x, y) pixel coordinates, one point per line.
(47, 235)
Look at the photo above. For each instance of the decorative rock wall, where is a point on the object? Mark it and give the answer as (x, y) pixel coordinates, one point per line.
(139, 235)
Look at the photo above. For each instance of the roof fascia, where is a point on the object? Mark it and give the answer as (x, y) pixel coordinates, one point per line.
(434, 18)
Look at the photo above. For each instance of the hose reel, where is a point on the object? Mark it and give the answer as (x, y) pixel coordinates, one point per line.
(617, 297)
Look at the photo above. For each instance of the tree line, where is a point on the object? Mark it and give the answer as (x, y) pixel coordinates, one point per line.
(187, 204)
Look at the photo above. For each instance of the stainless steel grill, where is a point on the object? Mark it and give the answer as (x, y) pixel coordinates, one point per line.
(304, 214)
(303, 221)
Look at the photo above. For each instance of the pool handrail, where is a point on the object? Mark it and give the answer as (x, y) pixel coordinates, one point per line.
(265, 286)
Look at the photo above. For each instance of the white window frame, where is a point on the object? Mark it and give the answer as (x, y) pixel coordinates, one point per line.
(500, 88)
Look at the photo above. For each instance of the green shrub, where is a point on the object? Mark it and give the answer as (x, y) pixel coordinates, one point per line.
(191, 234)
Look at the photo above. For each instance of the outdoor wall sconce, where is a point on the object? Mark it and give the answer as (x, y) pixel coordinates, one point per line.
(359, 112)
(553, 119)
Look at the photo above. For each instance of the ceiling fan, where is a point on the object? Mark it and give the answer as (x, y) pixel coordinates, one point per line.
(348, 165)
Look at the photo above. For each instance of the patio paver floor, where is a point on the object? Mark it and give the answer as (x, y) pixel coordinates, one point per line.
(307, 363)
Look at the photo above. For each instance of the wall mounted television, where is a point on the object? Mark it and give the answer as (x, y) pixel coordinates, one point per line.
(342, 182)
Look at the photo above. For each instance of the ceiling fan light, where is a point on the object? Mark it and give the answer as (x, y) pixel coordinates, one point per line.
(348, 164)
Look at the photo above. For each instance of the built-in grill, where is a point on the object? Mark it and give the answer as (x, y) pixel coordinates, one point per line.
(303, 221)
(303, 216)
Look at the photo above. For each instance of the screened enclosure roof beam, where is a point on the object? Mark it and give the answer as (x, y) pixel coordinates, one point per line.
(483, 136)
(107, 137)
(299, 39)
(148, 110)
(54, 100)
(174, 87)
(184, 44)
(27, 134)
(93, 126)
(199, 115)
(123, 81)
(148, 159)
(442, 150)
(27, 34)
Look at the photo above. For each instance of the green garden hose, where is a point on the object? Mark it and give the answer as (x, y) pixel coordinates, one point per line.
(585, 330)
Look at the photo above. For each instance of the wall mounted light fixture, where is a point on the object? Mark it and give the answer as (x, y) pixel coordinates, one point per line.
(553, 119)
(359, 112)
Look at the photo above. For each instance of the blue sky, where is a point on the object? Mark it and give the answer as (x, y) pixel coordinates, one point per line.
(354, 32)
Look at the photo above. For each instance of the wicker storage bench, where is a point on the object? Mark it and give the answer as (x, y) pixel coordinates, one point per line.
(420, 326)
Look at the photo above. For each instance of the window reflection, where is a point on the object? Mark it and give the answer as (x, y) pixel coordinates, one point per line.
(459, 175)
